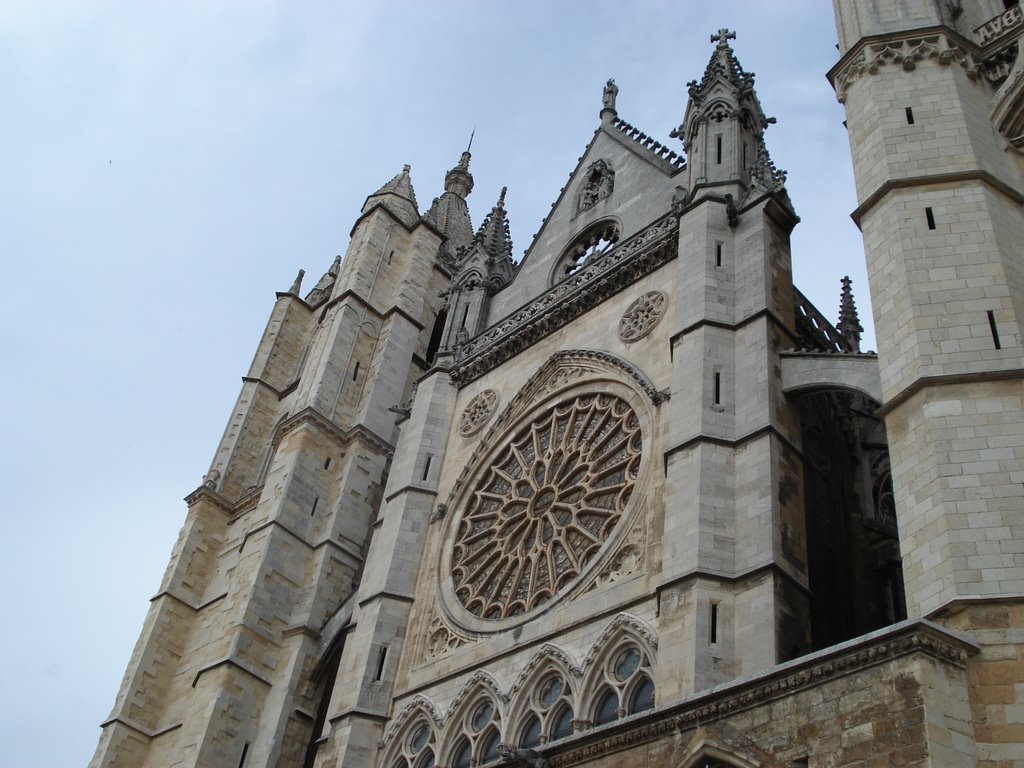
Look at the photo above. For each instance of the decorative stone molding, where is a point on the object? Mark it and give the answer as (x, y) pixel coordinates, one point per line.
(480, 681)
(478, 412)
(905, 52)
(856, 655)
(594, 282)
(543, 655)
(441, 639)
(622, 623)
(641, 317)
(418, 705)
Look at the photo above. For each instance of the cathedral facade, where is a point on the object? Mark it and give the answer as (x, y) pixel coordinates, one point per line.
(634, 500)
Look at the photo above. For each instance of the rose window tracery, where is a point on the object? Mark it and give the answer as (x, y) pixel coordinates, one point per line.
(477, 412)
(641, 316)
(544, 508)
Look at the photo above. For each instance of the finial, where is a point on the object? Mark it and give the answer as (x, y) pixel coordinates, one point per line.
(723, 37)
(501, 197)
(297, 285)
(406, 168)
(471, 135)
(849, 323)
(336, 266)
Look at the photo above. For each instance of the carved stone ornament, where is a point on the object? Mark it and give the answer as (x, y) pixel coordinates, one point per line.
(642, 316)
(599, 181)
(478, 412)
(546, 505)
(904, 53)
(592, 283)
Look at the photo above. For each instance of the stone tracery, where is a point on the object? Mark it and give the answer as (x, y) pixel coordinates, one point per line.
(641, 316)
(546, 506)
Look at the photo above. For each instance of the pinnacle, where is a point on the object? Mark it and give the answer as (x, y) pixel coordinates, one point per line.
(493, 236)
(849, 322)
(398, 197)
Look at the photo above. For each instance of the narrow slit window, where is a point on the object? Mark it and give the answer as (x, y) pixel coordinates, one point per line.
(718, 149)
(426, 467)
(718, 254)
(465, 314)
(718, 387)
(245, 753)
(713, 629)
(313, 510)
(382, 657)
(744, 154)
(995, 331)
(389, 256)
(910, 116)
(355, 371)
(327, 463)
(930, 216)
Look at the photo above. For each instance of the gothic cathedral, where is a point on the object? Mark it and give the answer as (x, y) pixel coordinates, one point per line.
(634, 500)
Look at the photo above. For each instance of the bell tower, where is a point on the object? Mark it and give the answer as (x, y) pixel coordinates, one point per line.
(933, 92)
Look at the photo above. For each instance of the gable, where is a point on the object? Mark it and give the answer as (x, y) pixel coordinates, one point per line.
(617, 181)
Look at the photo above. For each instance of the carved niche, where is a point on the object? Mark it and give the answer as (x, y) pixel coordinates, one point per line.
(598, 183)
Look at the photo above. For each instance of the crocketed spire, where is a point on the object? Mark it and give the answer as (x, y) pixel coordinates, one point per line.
(398, 197)
(723, 65)
(849, 323)
(493, 235)
(449, 212)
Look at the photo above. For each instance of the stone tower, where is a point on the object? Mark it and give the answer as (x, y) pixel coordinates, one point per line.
(934, 98)
(276, 537)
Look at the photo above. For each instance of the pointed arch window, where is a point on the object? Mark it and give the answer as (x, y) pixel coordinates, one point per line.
(551, 712)
(477, 744)
(627, 685)
(417, 748)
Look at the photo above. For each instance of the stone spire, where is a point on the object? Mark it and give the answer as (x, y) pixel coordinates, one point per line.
(449, 212)
(849, 323)
(723, 129)
(723, 65)
(493, 236)
(398, 197)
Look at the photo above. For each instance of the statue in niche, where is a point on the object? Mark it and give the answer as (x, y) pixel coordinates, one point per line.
(600, 179)
(611, 90)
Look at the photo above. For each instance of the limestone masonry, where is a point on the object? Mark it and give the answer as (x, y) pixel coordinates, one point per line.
(634, 500)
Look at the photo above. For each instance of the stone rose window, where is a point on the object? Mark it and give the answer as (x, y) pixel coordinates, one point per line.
(545, 506)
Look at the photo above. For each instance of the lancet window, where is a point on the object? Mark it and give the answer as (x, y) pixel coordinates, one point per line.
(626, 685)
(480, 736)
(417, 749)
(551, 712)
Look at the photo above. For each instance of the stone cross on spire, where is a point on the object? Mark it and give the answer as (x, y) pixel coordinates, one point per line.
(723, 37)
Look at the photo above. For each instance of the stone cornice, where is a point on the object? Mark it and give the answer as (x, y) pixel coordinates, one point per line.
(904, 639)
(904, 49)
(591, 285)
(926, 382)
(932, 179)
(310, 416)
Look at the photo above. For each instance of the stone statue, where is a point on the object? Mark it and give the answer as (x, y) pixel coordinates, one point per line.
(611, 90)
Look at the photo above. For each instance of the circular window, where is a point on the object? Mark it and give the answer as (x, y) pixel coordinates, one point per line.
(544, 508)
(588, 247)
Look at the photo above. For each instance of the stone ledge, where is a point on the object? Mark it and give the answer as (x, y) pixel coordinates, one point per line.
(903, 639)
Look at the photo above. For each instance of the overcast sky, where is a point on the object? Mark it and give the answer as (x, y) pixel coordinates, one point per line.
(165, 167)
